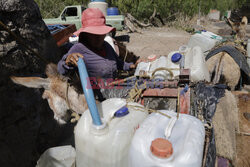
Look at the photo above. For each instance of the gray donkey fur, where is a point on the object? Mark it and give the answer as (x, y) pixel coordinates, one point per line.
(60, 95)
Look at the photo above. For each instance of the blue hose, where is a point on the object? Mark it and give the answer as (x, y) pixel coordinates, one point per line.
(89, 95)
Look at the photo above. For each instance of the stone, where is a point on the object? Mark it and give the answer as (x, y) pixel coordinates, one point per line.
(27, 127)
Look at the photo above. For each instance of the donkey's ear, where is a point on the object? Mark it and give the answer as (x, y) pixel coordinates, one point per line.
(31, 82)
(230, 23)
(244, 20)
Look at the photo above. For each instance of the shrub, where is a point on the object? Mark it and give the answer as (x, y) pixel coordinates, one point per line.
(143, 9)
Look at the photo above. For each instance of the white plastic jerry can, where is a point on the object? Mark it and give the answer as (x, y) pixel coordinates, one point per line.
(195, 61)
(212, 36)
(205, 39)
(161, 62)
(157, 68)
(168, 142)
(175, 62)
(107, 145)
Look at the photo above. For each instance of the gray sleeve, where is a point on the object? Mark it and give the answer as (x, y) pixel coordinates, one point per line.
(62, 68)
(126, 66)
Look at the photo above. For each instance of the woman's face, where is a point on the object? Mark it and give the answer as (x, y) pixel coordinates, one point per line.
(95, 41)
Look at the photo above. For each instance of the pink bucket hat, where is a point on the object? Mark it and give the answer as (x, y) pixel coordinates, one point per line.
(93, 22)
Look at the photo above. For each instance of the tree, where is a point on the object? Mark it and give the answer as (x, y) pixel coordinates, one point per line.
(143, 9)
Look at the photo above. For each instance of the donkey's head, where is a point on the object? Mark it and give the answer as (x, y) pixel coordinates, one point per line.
(61, 97)
(239, 28)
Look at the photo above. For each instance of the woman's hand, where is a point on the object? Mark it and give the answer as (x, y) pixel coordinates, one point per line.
(132, 66)
(72, 59)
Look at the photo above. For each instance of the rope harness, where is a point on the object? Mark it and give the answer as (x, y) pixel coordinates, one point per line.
(144, 109)
(74, 114)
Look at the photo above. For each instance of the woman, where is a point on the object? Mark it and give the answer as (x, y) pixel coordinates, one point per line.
(100, 58)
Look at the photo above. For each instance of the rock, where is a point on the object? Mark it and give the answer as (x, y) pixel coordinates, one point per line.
(214, 15)
(33, 32)
(27, 127)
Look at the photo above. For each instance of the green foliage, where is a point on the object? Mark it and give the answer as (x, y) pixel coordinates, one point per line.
(53, 8)
(142, 9)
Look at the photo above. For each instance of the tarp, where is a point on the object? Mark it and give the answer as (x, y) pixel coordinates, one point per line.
(206, 98)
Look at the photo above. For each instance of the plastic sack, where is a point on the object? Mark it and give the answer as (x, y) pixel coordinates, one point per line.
(63, 156)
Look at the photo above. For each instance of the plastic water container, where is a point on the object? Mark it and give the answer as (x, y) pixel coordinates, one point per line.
(74, 39)
(112, 11)
(102, 5)
(212, 35)
(206, 40)
(195, 61)
(183, 50)
(168, 142)
(142, 67)
(107, 147)
(248, 52)
(162, 62)
(174, 62)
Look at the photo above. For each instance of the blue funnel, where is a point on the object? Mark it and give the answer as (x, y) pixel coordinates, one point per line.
(89, 95)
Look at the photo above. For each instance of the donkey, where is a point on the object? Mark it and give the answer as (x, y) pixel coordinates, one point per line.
(60, 95)
(239, 28)
(223, 69)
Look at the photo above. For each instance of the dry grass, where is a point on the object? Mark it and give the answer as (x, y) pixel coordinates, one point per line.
(183, 22)
(190, 24)
(186, 23)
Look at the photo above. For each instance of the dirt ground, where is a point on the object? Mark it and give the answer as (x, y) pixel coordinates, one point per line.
(243, 140)
(163, 40)
(159, 41)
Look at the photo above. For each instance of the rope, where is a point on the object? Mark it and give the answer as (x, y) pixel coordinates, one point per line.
(121, 81)
(206, 143)
(217, 75)
(143, 109)
(125, 55)
(19, 39)
(73, 113)
(136, 92)
(243, 133)
(178, 105)
(164, 68)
